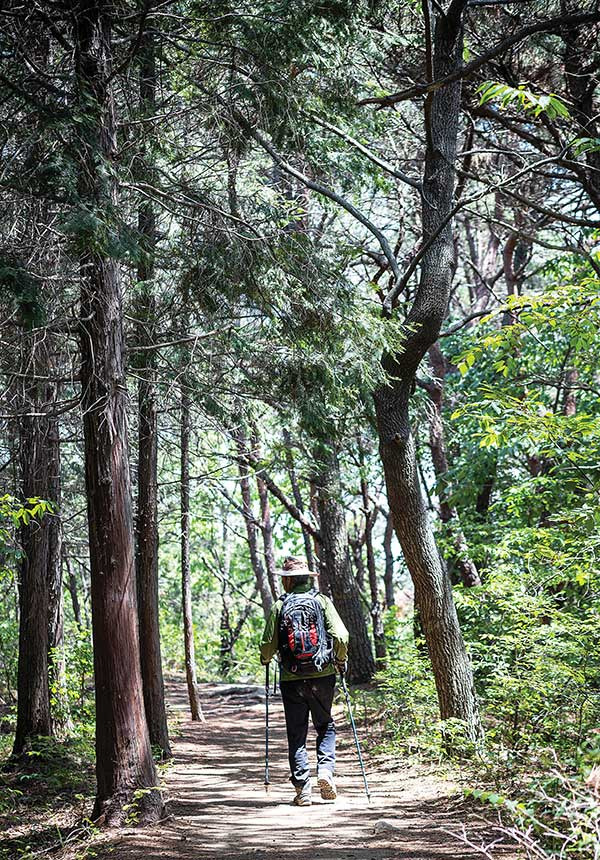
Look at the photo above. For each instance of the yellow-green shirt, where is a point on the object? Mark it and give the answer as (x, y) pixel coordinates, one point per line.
(333, 624)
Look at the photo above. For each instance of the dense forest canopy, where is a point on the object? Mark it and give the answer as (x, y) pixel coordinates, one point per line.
(319, 279)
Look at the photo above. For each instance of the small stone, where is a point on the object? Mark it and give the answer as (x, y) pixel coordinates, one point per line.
(386, 825)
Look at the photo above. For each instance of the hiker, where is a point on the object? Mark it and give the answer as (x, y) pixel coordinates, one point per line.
(311, 640)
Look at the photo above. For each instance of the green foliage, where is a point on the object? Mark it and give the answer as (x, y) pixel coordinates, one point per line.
(558, 818)
(75, 700)
(409, 691)
(523, 97)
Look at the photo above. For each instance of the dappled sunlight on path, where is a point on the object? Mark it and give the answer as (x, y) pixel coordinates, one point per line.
(219, 808)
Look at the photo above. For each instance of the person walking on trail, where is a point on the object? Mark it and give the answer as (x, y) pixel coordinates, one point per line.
(309, 636)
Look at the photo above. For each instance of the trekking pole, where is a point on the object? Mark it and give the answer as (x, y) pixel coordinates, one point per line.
(352, 723)
(267, 691)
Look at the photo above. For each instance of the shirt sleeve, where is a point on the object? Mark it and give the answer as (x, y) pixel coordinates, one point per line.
(336, 628)
(269, 643)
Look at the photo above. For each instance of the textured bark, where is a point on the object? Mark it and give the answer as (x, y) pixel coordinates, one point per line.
(388, 576)
(33, 702)
(186, 571)
(126, 776)
(433, 593)
(356, 547)
(59, 710)
(227, 641)
(147, 480)
(336, 560)
(569, 394)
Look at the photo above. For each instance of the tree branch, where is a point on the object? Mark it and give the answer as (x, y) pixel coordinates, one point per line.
(258, 136)
(278, 493)
(551, 24)
(373, 157)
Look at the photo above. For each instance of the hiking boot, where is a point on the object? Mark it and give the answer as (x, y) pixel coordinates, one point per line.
(303, 794)
(327, 786)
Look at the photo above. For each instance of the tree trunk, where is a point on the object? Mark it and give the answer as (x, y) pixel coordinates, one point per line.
(226, 633)
(460, 560)
(147, 479)
(59, 709)
(266, 527)
(126, 776)
(33, 702)
(72, 587)
(264, 588)
(297, 495)
(186, 571)
(376, 608)
(336, 560)
(388, 576)
(356, 546)
(433, 593)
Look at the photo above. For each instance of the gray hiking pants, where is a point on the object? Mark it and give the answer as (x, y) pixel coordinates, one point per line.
(301, 697)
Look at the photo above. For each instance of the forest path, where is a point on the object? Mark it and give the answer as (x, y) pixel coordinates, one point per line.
(219, 808)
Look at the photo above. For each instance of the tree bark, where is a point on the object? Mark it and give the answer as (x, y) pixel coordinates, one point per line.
(126, 776)
(388, 576)
(433, 593)
(59, 706)
(336, 560)
(186, 571)
(147, 477)
(33, 695)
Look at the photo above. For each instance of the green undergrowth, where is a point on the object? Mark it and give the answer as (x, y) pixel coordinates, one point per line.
(540, 711)
(45, 796)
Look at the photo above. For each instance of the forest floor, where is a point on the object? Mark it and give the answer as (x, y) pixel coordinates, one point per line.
(218, 806)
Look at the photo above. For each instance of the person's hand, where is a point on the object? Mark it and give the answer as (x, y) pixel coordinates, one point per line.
(341, 666)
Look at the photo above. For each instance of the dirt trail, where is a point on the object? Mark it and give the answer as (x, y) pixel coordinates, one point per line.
(220, 809)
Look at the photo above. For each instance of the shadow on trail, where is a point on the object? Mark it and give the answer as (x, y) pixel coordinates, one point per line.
(219, 808)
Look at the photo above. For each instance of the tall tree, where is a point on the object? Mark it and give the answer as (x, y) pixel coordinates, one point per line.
(126, 776)
(61, 719)
(36, 449)
(147, 483)
(336, 560)
(265, 587)
(186, 568)
(433, 592)
(370, 514)
(388, 576)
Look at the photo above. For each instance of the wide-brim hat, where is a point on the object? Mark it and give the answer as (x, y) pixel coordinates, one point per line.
(299, 571)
